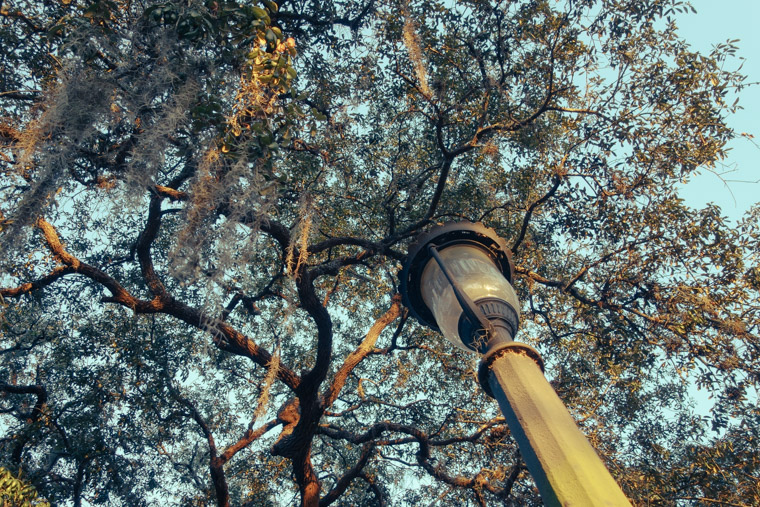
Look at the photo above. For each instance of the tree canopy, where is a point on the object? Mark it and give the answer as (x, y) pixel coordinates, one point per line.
(205, 205)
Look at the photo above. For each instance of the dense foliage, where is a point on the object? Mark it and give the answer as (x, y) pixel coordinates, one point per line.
(205, 204)
(13, 491)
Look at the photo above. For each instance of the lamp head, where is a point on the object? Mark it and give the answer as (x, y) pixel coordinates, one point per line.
(482, 265)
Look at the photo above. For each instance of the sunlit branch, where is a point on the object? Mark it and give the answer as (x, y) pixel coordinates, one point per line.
(225, 336)
(361, 352)
(250, 436)
(25, 288)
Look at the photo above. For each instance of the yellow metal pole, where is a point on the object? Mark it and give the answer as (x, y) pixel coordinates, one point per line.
(566, 469)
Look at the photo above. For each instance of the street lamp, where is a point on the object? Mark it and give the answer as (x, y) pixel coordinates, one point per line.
(457, 280)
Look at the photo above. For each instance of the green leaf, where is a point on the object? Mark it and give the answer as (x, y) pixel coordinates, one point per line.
(260, 14)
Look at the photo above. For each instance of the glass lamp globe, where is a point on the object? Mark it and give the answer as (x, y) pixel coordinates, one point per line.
(479, 263)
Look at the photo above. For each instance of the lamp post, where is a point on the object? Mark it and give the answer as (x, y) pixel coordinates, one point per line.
(457, 280)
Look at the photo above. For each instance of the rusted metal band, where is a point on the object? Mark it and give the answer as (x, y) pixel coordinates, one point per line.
(502, 349)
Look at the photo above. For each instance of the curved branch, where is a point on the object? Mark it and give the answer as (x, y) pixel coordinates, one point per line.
(295, 443)
(380, 495)
(442, 178)
(423, 455)
(532, 208)
(144, 243)
(307, 295)
(225, 336)
(512, 478)
(73, 265)
(361, 352)
(459, 481)
(371, 246)
(249, 436)
(31, 418)
(25, 288)
(216, 465)
(278, 231)
(376, 430)
(351, 474)
(228, 338)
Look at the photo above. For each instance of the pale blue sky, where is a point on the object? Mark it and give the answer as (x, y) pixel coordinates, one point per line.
(715, 22)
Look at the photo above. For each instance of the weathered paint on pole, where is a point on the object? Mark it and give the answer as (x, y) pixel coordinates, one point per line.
(564, 465)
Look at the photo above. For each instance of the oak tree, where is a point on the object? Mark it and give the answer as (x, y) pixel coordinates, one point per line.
(205, 206)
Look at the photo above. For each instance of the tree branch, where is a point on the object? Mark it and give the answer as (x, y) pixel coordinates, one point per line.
(17, 95)
(372, 246)
(4, 12)
(361, 352)
(531, 209)
(249, 436)
(26, 288)
(316, 22)
(35, 415)
(74, 265)
(216, 465)
(144, 243)
(351, 474)
(225, 336)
